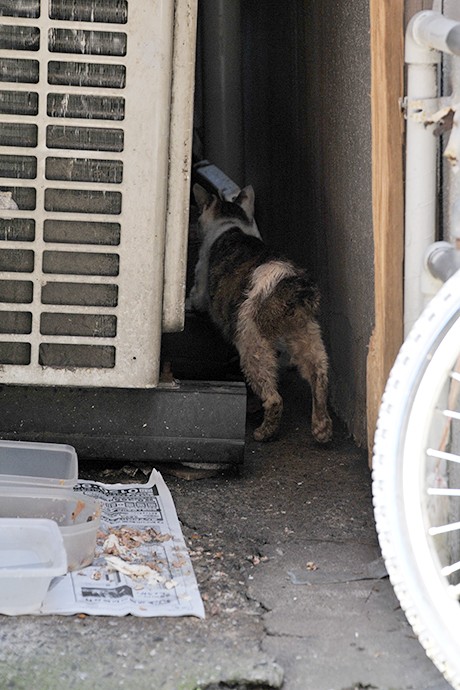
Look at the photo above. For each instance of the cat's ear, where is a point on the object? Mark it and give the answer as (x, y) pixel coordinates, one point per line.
(202, 197)
(245, 199)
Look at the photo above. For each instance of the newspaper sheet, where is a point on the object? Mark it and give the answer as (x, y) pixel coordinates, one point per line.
(141, 566)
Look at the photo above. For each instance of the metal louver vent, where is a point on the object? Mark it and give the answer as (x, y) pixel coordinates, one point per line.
(85, 186)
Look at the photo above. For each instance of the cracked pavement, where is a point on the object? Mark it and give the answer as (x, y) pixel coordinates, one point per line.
(287, 561)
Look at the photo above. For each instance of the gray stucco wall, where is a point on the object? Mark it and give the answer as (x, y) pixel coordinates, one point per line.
(308, 155)
(345, 194)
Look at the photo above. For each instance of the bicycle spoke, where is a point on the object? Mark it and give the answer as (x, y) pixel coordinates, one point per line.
(443, 492)
(443, 529)
(450, 569)
(451, 414)
(443, 455)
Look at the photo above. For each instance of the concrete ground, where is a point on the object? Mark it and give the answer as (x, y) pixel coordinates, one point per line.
(286, 557)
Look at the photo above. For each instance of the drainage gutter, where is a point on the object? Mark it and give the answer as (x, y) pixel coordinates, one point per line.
(428, 35)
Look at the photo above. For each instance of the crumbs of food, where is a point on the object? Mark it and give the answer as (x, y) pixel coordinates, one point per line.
(78, 508)
(130, 537)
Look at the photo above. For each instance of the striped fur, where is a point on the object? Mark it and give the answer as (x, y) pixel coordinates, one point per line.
(258, 300)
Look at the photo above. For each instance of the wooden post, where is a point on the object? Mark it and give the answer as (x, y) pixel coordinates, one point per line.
(387, 61)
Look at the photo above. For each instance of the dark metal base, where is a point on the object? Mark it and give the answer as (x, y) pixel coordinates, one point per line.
(194, 421)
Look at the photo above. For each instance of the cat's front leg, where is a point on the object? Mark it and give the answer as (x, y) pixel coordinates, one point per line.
(198, 297)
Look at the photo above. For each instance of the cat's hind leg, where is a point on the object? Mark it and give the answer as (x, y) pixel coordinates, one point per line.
(259, 363)
(306, 347)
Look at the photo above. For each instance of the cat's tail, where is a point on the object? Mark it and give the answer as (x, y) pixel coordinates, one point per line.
(263, 281)
(294, 287)
(266, 277)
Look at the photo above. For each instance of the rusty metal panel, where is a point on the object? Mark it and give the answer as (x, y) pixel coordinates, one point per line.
(194, 422)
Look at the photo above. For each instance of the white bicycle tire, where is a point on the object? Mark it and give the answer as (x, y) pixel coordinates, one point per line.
(421, 370)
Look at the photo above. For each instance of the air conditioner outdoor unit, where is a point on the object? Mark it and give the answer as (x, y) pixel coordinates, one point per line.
(96, 101)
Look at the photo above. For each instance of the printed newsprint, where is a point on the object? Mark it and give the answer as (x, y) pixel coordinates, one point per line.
(141, 566)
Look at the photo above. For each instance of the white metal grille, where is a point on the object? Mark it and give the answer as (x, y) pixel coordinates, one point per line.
(85, 125)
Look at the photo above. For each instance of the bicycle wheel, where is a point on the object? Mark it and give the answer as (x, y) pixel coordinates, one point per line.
(416, 479)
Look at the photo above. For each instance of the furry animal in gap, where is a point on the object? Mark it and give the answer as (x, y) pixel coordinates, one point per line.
(258, 300)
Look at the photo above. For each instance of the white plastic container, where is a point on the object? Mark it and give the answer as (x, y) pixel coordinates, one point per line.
(32, 553)
(38, 464)
(77, 515)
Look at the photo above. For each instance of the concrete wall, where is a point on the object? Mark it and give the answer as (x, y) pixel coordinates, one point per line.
(306, 67)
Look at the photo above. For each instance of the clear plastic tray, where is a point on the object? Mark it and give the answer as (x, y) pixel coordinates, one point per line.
(77, 515)
(32, 553)
(38, 464)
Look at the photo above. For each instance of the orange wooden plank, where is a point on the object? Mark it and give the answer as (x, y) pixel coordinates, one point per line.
(386, 20)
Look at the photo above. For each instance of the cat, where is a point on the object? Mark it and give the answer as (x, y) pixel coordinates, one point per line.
(257, 300)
